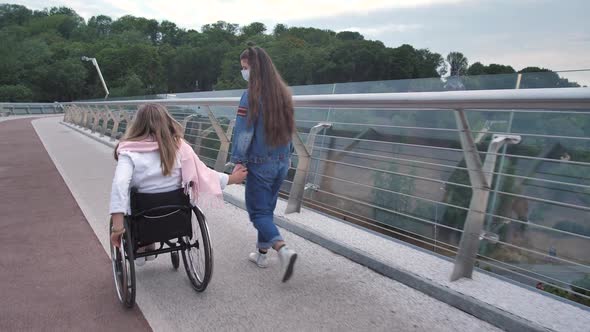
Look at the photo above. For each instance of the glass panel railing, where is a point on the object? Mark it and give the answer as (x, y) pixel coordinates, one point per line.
(572, 78)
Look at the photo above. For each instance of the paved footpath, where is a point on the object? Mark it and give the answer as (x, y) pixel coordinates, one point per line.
(327, 292)
(54, 273)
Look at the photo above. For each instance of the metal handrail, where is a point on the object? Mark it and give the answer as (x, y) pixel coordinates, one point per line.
(8, 109)
(556, 101)
(492, 100)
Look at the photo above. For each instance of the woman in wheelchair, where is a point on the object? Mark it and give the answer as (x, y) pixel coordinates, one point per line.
(153, 157)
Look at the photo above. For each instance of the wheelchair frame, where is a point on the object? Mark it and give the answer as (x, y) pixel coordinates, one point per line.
(123, 261)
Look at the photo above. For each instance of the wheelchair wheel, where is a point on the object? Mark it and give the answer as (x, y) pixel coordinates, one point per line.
(124, 268)
(175, 259)
(198, 257)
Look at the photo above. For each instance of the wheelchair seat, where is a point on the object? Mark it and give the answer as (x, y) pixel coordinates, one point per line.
(160, 217)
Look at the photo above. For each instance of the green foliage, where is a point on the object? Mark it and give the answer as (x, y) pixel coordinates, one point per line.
(573, 227)
(458, 63)
(253, 29)
(15, 93)
(580, 286)
(14, 15)
(42, 49)
(535, 77)
(130, 85)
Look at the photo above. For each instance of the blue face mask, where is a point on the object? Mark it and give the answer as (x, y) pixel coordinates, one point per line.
(246, 74)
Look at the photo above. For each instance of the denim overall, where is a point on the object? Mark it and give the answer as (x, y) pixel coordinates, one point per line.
(267, 168)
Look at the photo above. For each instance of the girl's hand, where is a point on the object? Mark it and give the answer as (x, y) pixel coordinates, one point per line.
(238, 167)
(239, 174)
(117, 229)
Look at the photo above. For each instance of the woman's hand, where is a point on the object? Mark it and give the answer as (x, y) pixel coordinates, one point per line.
(118, 229)
(239, 174)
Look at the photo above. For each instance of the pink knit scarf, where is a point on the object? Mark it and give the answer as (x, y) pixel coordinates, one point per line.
(205, 189)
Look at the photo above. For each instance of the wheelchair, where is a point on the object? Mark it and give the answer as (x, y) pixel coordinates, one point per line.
(172, 221)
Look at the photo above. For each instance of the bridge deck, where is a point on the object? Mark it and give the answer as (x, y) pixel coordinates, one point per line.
(326, 292)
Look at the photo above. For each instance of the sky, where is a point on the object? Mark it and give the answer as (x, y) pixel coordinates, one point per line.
(553, 34)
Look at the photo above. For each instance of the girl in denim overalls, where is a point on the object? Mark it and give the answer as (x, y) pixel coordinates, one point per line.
(262, 143)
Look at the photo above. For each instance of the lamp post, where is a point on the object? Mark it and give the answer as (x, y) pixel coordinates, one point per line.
(95, 63)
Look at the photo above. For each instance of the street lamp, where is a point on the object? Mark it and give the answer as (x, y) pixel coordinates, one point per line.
(95, 63)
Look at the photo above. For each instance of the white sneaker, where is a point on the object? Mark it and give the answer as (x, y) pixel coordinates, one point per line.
(140, 261)
(259, 259)
(287, 257)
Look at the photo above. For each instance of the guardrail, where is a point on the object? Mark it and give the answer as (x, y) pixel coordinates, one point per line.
(499, 179)
(8, 109)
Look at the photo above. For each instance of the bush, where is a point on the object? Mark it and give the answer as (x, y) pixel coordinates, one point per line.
(15, 93)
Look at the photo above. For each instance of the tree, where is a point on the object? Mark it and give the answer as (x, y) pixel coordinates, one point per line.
(495, 69)
(15, 93)
(535, 77)
(349, 35)
(253, 29)
(170, 33)
(101, 25)
(130, 85)
(14, 15)
(139, 55)
(279, 30)
(477, 69)
(458, 63)
(149, 28)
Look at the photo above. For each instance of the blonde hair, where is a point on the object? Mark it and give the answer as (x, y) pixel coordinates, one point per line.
(154, 121)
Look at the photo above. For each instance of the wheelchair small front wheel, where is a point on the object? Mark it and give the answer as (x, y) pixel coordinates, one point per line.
(197, 256)
(175, 259)
(122, 259)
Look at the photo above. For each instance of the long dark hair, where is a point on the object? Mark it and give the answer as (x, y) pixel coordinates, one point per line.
(154, 121)
(266, 87)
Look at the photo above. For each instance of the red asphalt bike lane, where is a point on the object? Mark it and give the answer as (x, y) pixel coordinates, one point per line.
(54, 274)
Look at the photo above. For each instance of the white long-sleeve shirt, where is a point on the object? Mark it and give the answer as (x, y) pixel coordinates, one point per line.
(142, 170)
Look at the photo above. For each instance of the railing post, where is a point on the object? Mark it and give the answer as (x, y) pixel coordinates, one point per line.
(105, 120)
(79, 116)
(304, 153)
(96, 119)
(115, 129)
(202, 134)
(66, 115)
(73, 111)
(480, 177)
(86, 117)
(185, 122)
(223, 137)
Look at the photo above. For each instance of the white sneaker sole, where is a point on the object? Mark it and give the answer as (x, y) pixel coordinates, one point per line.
(289, 271)
(260, 266)
(255, 260)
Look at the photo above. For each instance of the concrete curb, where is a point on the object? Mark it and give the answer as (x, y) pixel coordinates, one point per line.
(486, 312)
(88, 134)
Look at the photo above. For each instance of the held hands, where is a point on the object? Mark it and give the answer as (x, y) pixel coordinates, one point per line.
(238, 175)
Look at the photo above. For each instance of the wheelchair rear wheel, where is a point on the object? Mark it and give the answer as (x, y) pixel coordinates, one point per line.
(198, 256)
(122, 259)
